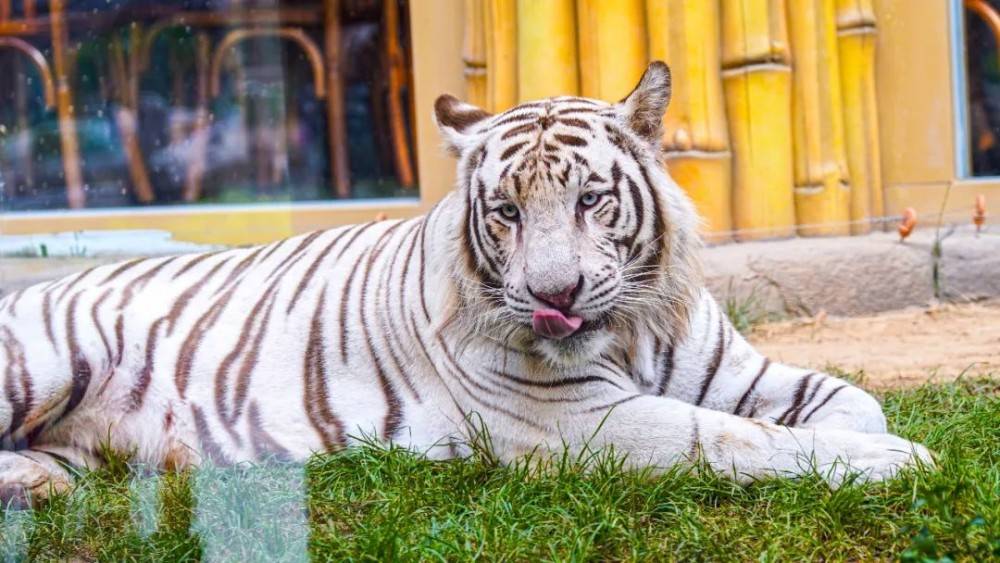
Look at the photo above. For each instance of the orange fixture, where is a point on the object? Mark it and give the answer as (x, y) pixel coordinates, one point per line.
(979, 217)
(907, 224)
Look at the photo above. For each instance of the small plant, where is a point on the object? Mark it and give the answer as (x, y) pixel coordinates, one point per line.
(745, 312)
(77, 250)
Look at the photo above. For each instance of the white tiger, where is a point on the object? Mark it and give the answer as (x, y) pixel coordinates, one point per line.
(554, 295)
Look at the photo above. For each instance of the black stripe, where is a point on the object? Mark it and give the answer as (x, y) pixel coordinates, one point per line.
(668, 369)
(763, 369)
(614, 404)
(571, 140)
(799, 397)
(311, 271)
(616, 178)
(658, 223)
(640, 217)
(798, 412)
(695, 437)
(823, 403)
(555, 382)
(713, 366)
(464, 377)
(512, 150)
(525, 128)
(513, 118)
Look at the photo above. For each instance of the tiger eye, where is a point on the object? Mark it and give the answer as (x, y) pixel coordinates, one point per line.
(589, 199)
(509, 211)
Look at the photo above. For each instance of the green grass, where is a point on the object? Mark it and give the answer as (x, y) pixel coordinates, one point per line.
(747, 312)
(382, 505)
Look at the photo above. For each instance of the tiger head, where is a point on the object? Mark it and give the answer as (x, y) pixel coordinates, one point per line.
(573, 239)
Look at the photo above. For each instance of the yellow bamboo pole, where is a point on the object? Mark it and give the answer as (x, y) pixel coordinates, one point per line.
(757, 75)
(474, 52)
(685, 34)
(822, 185)
(612, 43)
(546, 49)
(501, 54)
(856, 36)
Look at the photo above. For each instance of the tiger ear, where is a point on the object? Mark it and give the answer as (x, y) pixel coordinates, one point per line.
(643, 109)
(458, 122)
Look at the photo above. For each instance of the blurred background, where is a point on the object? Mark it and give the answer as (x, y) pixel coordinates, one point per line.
(234, 122)
(110, 103)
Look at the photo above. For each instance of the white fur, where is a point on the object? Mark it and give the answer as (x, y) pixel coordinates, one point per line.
(634, 384)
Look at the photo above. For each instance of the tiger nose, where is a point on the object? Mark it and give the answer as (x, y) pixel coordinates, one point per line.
(562, 299)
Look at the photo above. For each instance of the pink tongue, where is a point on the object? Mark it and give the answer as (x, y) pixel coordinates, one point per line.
(551, 323)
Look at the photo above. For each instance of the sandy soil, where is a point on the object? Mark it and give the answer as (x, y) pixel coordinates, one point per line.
(893, 349)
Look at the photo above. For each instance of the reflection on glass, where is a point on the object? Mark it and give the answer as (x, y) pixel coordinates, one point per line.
(109, 103)
(983, 71)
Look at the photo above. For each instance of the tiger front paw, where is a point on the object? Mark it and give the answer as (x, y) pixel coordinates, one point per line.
(877, 457)
(25, 481)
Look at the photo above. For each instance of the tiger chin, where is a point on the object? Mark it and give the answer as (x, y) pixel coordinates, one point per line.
(554, 296)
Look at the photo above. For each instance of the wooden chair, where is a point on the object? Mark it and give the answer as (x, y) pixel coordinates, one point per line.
(289, 24)
(16, 31)
(286, 24)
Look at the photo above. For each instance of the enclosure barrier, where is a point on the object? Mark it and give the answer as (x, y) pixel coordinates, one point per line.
(772, 129)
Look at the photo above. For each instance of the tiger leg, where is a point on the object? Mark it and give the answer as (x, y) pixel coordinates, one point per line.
(36, 395)
(662, 432)
(32, 475)
(811, 399)
(718, 369)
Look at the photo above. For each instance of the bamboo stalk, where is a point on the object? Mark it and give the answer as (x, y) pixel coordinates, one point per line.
(757, 76)
(612, 47)
(822, 185)
(474, 52)
(685, 34)
(856, 37)
(546, 49)
(501, 54)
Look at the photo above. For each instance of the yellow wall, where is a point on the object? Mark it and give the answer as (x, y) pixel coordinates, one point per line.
(916, 114)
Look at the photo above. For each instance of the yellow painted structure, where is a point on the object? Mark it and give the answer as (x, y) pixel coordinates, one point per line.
(500, 27)
(856, 36)
(822, 182)
(866, 86)
(474, 53)
(612, 43)
(685, 34)
(757, 73)
(547, 62)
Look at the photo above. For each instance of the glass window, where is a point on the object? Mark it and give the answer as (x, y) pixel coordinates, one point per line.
(982, 66)
(111, 103)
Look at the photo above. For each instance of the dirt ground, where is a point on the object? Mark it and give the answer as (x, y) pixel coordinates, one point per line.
(895, 349)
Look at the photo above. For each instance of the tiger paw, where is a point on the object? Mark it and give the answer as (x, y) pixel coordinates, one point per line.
(25, 481)
(878, 457)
